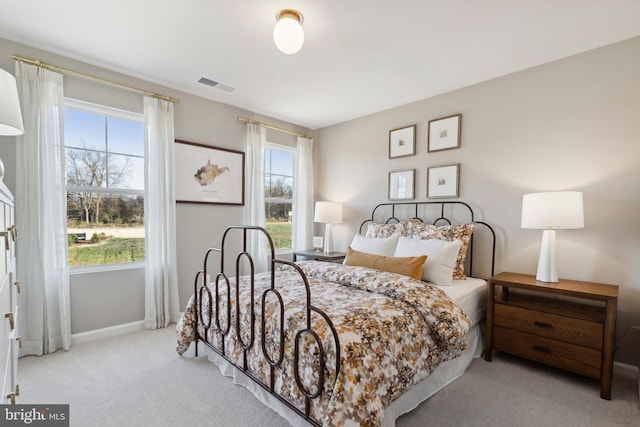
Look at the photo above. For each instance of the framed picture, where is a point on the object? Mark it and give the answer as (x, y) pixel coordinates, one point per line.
(402, 185)
(402, 142)
(442, 181)
(318, 243)
(444, 133)
(206, 174)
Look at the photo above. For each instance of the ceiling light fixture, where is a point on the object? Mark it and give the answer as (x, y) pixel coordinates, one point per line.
(288, 34)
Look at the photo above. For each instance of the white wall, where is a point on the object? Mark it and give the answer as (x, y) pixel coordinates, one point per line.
(569, 125)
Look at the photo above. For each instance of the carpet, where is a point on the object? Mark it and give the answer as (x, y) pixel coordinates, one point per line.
(137, 379)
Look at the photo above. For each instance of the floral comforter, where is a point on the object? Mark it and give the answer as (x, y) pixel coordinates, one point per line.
(393, 332)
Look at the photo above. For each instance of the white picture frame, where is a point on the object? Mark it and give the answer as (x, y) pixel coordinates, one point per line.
(443, 181)
(402, 184)
(318, 243)
(444, 133)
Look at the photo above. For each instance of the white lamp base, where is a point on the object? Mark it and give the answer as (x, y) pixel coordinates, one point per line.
(328, 241)
(547, 271)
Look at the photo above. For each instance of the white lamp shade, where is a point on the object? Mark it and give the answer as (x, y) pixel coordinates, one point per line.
(556, 210)
(328, 212)
(288, 34)
(10, 116)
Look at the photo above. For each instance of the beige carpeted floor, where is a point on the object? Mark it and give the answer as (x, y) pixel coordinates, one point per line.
(138, 380)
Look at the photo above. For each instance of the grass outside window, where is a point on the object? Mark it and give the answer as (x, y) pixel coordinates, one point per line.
(280, 233)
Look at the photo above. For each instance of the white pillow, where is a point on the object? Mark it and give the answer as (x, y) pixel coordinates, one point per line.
(441, 257)
(375, 245)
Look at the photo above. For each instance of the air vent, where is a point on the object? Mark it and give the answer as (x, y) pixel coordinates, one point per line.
(225, 88)
(211, 83)
(208, 82)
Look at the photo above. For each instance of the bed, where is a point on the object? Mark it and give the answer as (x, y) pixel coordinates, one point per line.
(332, 344)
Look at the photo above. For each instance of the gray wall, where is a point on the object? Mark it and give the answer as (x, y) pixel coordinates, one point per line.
(112, 298)
(573, 124)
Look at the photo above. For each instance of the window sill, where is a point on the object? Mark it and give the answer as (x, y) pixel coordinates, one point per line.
(88, 269)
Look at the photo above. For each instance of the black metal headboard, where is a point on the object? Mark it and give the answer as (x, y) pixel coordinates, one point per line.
(449, 212)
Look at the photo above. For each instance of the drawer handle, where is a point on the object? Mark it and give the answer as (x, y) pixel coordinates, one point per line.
(14, 232)
(11, 322)
(17, 286)
(542, 349)
(542, 325)
(12, 398)
(19, 339)
(6, 239)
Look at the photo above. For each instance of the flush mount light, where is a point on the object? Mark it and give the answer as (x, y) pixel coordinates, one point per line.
(288, 34)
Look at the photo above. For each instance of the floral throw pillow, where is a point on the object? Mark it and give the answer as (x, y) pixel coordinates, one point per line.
(385, 230)
(417, 229)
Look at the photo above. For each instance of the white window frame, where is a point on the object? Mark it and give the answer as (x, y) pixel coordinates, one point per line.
(294, 152)
(121, 114)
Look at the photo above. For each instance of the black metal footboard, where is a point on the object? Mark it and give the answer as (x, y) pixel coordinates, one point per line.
(208, 306)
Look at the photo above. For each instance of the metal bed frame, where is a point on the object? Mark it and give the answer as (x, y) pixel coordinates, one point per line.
(222, 279)
(386, 212)
(200, 290)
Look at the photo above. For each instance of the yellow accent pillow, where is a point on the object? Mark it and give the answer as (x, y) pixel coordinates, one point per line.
(408, 266)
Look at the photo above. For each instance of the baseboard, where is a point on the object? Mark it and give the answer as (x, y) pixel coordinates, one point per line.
(627, 370)
(111, 331)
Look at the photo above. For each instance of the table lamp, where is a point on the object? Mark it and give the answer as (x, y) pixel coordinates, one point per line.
(551, 211)
(328, 213)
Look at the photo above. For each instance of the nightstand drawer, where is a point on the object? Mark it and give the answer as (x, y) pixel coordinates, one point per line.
(569, 324)
(578, 359)
(568, 329)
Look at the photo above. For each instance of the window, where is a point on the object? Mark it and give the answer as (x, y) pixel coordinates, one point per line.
(104, 150)
(278, 193)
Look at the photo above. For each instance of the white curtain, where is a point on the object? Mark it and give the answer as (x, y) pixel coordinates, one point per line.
(41, 216)
(303, 197)
(161, 279)
(256, 143)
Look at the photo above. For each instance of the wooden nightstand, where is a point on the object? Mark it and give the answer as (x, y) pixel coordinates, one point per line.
(576, 335)
(320, 256)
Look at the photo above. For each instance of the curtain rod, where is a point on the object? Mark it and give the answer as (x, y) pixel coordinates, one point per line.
(95, 79)
(255, 122)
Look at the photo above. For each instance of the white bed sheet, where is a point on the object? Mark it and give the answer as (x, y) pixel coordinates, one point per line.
(469, 294)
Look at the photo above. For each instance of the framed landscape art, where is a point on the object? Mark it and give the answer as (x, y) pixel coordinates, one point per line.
(206, 174)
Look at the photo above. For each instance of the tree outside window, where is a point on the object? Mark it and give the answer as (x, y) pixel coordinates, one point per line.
(278, 188)
(104, 169)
